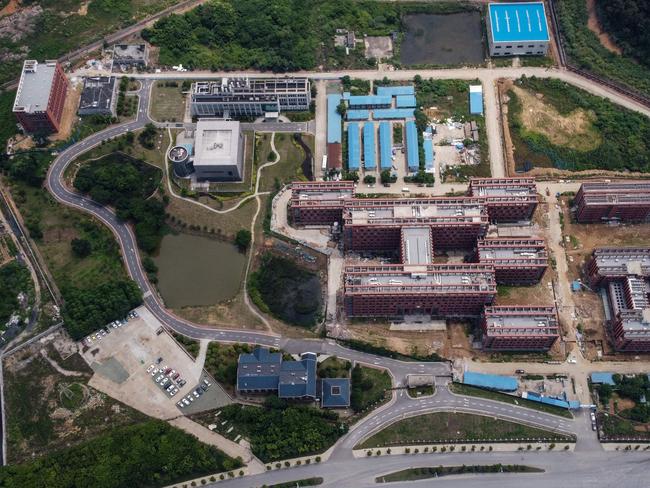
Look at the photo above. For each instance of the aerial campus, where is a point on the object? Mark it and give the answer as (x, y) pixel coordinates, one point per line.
(282, 243)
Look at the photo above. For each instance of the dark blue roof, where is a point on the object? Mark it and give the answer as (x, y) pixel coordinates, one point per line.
(259, 370)
(335, 392)
(298, 378)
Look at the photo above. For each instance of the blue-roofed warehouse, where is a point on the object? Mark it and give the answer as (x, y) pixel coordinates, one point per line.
(393, 91)
(334, 133)
(358, 114)
(428, 155)
(516, 29)
(405, 101)
(476, 99)
(556, 402)
(354, 148)
(385, 149)
(369, 101)
(335, 392)
(369, 146)
(258, 371)
(392, 113)
(602, 378)
(490, 381)
(412, 151)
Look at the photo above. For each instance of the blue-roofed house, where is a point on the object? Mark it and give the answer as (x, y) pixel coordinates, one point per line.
(335, 392)
(490, 381)
(354, 147)
(516, 29)
(428, 155)
(259, 371)
(298, 378)
(357, 114)
(334, 132)
(392, 113)
(476, 99)
(412, 151)
(385, 146)
(405, 101)
(393, 91)
(369, 146)
(369, 101)
(602, 378)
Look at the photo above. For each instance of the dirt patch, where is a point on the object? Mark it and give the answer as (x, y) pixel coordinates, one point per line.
(83, 9)
(10, 8)
(69, 116)
(594, 26)
(574, 130)
(20, 23)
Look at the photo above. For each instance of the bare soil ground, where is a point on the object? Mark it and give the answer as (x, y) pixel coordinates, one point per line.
(69, 113)
(595, 27)
(10, 8)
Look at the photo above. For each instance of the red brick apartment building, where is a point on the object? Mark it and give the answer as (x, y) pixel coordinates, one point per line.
(626, 201)
(442, 290)
(40, 97)
(625, 275)
(516, 328)
(506, 199)
(515, 261)
(375, 224)
(319, 202)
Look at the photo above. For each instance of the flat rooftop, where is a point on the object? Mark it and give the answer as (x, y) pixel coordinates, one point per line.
(216, 142)
(615, 186)
(622, 261)
(520, 320)
(506, 249)
(502, 187)
(436, 278)
(386, 212)
(325, 193)
(636, 322)
(518, 22)
(416, 245)
(97, 93)
(35, 86)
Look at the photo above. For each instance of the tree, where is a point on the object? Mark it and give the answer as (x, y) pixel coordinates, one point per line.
(386, 177)
(341, 108)
(351, 176)
(369, 179)
(81, 247)
(243, 239)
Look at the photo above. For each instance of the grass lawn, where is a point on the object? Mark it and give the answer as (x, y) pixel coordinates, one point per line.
(421, 391)
(167, 102)
(291, 157)
(461, 389)
(455, 427)
(369, 387)
(414, 474)
(334, 367)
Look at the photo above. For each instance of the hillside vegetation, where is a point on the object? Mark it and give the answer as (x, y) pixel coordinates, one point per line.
(628, 21)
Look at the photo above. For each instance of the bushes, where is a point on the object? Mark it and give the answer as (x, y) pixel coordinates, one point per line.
(14, 278)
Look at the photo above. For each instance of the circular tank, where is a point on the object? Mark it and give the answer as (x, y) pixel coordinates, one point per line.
(180, 158)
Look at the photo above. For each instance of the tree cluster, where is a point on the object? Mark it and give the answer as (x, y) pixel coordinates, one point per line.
(148, 454)
(14, 278)
(629, 23)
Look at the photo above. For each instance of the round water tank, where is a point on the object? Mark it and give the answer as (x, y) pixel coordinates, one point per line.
(180, 158)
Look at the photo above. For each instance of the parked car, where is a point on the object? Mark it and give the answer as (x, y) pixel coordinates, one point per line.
(176, 376)
(198, 391)
(159, 360)
(519, 371)
(159, 378)
(164, 381)
(207, 383)
(155, 370)
(203, 388)
(171, 372)
(180, 404)
(593, 417)
(195, 394)
(181, 383)
(150, 368)
(185, 401)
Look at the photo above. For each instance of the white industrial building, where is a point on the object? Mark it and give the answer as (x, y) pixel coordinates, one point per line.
(518, 29)
(218, 150)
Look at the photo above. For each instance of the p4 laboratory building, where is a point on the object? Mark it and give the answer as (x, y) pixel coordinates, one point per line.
(517, 29)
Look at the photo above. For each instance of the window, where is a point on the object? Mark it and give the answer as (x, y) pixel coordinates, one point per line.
(531, 45)
(497, 47)
(520, 47)
(508, 47)
(507, 54)
(529, 52)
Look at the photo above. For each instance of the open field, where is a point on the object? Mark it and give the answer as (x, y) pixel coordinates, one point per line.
(369, 387)
(291, 159)
(167, 102)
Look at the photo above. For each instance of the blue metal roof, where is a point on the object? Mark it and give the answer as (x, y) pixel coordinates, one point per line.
(556, 402)
(385, 160)
(334, 133)
(490, 381)
(298, 378)
(428, 154)
(412, 153)
(518, 22)
(369, 101)
(392, 113)
(369, 146)
(603, 378)
(405, 101)
(396, 90)
(358, 114)
(476, 100)
(354, 149)
(335, 392)
(259, 370)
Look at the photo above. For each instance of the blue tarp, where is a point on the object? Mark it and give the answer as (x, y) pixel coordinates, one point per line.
(521, 22)
(385, 160)
(396, 90)
(354, 150)
(369, 145)
(412, 153)
(490, 381)
(369, 101)
(357, 114)
(476, 100)
(334, 133)
(405, 101)
(392, 113)
(602, 378)
(428, 154)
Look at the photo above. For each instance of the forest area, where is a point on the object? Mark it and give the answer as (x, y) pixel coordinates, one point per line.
(628, 21)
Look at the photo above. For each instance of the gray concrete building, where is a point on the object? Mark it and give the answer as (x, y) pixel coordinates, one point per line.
(98, 96)
(249, 97)
(218, 150)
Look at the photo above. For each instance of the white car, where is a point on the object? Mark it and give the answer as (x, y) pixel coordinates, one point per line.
(164, 381)
(185, 401)
(159, 378)
(196, 395)
(173, 392)
(180, 404)
(190, 398)
(150, 368)
(155, 370)
(593, 417)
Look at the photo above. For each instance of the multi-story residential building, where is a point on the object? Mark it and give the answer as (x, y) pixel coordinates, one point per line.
(612, 264)
(319, 203)
(439, 290)
(507, 199)
(515, 261)
(516, 328)
(41, 96)
(626, 201)
(249, 97)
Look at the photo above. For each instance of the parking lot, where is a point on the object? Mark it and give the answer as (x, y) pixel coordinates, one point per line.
(124, 359)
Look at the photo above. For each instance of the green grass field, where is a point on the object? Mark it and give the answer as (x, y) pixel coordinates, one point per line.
(167, 102)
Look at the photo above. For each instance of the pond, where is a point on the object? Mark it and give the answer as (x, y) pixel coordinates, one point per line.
(198, 271)
(443, 39)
